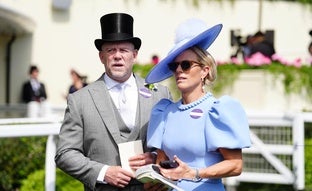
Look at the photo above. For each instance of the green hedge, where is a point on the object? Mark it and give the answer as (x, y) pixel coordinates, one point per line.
(64, 182)
(19, 157)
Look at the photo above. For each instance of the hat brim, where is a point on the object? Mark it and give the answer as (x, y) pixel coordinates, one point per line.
(161, 71)
(135, 41)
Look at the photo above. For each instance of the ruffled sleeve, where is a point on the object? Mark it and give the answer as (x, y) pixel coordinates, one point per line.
(227, 125)
(156, 124)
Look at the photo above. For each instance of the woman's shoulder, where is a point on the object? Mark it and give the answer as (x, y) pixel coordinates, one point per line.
(226, 101)
(227, 108)
(163, 104)
(231, 124)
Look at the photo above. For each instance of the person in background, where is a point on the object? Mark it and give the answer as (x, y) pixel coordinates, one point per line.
(33, 89)
(247, 46)
(34, 95)
(260, 44)
(310, 50)
(78, 81)
(155, 59)
(112, 110)
(204, 135)
(310, 54)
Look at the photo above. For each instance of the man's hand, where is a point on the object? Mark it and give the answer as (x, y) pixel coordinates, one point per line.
(117, 176)
(137, 161)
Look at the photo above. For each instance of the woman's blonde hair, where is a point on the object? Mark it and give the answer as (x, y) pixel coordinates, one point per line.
(205, 58)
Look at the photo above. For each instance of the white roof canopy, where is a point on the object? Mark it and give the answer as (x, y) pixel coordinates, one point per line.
(12, 22)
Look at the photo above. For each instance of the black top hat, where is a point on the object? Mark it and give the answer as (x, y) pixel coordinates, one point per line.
(117, 27)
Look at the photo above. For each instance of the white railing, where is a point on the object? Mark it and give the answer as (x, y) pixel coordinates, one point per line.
(284, 175)
(20, 127)
(281, 129)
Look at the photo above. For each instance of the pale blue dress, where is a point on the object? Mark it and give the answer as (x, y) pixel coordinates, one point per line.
(195, 131)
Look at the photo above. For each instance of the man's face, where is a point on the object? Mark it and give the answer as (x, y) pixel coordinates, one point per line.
(118, 59)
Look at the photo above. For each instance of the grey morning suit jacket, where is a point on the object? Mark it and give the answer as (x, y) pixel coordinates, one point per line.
(92, 128)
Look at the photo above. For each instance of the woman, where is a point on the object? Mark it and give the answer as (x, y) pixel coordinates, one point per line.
(203, 134)
(78, 81)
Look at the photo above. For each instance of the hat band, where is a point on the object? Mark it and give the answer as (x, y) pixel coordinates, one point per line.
(116, 36)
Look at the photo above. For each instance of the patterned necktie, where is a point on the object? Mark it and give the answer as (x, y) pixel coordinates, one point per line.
(124, 107)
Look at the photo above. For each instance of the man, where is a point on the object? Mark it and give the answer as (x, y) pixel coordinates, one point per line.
(94, 123)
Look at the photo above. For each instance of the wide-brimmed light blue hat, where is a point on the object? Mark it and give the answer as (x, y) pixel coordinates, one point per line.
(193, 32)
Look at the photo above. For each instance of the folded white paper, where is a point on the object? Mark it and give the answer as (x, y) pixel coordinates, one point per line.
(127, 150)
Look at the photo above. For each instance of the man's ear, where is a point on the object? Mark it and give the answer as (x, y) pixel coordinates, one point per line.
(101, 56)
(135, 55)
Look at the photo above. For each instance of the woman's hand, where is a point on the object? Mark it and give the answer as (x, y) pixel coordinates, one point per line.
(183, 171)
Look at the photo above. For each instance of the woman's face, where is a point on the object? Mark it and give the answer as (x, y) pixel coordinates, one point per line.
(191, 79)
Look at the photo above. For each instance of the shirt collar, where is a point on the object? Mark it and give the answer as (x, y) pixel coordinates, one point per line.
(110, 83)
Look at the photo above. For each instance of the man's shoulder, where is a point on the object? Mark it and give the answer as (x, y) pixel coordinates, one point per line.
(91, 86)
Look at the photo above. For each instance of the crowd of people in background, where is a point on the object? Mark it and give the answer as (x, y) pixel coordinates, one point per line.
(34, 92)
(252, 45)
(258, 43)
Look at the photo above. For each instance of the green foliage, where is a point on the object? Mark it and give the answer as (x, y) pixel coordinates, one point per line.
(308, 156)
(264, 187)
(308, 164)
(35, 181)
(296, 80)
(64, 182)
(142, 69)
(305, 1)
(227, 74)
(20, 157)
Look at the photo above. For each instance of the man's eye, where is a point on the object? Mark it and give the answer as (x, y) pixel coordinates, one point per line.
(109, 50)
(124, 50)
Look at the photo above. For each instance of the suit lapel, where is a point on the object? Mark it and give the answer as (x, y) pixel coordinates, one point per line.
(144, 101)
(104, 105)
